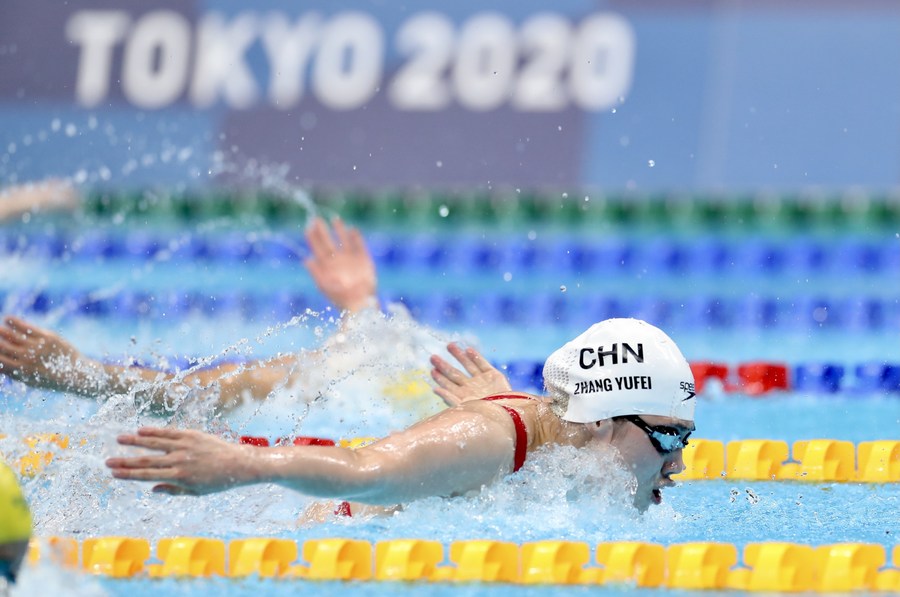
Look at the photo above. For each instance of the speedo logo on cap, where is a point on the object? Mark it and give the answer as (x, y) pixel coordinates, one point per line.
(589, 357)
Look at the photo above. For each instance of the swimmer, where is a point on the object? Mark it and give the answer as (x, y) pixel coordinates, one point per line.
(340, 266)
(622, 383)
(45, 196)
(15, 525)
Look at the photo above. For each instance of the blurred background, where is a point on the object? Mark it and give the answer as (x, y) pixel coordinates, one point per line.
(726, 170)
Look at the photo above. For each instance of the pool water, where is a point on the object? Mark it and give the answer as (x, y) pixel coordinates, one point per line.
(178, 307)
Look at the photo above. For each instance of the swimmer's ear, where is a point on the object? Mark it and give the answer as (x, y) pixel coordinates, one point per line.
(602, 430)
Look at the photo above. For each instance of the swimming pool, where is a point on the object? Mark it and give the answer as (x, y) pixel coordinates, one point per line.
(822, 300)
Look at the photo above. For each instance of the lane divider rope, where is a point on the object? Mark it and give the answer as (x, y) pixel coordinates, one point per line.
(765, 566)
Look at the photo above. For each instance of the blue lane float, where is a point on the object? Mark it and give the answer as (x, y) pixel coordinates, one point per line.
(446, 308)
(467, 253)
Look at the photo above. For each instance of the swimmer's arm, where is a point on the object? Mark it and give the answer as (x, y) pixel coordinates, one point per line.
(456, 451)
(453, 452)
(341, 266)
(47, 195)
(43, 359)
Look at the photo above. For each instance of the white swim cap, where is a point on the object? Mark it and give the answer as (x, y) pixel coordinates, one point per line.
(620, 367)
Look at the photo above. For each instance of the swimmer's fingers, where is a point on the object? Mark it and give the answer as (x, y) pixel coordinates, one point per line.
(142, 474)
(12, 337)
(172, 489)
(341, 232)
(9, 351)
(448, 397)
(470, 359)
(447, 370)
(157, 438)
(479, 361)
(24, 329)
(354, 244)
(319, 238)
(151, 443)
(162, 464)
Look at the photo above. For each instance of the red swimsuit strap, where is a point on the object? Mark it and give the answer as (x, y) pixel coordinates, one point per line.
(519, 424)
(521, 441)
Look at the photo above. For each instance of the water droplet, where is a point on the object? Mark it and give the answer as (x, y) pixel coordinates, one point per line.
(563, 288)
(71, 129)
(507, 276)
(651, 163)
(55, 124)
(613, 110)
(532, 235)
(559, 127)
(444, 211)
(439, 164)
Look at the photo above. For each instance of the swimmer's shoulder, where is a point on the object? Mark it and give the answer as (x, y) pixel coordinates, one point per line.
(534, 411)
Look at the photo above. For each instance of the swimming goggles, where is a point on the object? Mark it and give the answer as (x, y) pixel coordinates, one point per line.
(665, 439)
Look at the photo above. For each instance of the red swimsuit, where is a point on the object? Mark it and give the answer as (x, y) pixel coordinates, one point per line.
(521, 431)
(521, 444)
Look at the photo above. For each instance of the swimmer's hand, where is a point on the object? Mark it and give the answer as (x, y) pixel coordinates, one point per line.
(43, 359)
(191, 463)
(456, 387)
(47, 195)
(342, 268)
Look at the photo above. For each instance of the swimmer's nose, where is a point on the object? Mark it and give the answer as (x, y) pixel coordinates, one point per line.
(674, 463)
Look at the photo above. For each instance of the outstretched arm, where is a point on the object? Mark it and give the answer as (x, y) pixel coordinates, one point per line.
(458, 450)
(341, 265)
(47, 195)
(455, 387)
(43, 359)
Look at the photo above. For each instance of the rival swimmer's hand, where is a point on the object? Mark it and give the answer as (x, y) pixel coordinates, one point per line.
(343, 270)
(456, 387)
(40, 358)
(191, 463)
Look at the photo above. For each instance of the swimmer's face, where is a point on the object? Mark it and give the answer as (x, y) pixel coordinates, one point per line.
(651, 469)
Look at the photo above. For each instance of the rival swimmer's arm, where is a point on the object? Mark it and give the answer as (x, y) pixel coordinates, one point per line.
(455, 387)
(341, 266)
(43, 359)
(455, 451)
